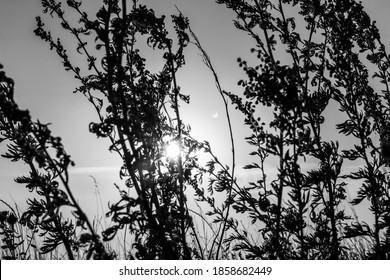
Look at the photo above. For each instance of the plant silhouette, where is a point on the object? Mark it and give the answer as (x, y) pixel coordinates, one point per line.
(299, 213)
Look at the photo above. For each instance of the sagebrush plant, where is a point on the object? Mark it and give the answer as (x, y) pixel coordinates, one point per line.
(139, 113)
(296, 214)
(31, 142)
(301, 212)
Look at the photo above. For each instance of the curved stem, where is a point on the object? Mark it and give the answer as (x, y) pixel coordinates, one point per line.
(222, 93)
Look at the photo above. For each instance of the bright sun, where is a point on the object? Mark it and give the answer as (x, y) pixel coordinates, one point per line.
(172, 150)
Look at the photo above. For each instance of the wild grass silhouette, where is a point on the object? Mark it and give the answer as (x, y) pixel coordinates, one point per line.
(297, 214)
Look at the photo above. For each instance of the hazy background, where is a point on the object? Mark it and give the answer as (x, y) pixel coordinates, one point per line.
(46, 89)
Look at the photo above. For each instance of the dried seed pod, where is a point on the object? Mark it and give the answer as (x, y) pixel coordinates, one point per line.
(264, 203)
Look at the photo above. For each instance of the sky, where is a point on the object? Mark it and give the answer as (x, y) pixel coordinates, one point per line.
(46, 89)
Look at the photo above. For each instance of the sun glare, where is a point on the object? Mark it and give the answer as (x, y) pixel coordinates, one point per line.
(172, 150)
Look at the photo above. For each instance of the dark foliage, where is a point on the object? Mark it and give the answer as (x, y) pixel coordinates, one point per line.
(135, 107)
(301, 210)
(299, 213)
